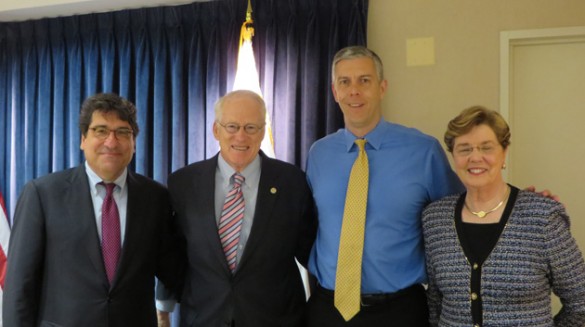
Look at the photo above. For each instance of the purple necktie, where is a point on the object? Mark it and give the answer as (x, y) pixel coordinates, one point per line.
(230, 222)
(111, 242)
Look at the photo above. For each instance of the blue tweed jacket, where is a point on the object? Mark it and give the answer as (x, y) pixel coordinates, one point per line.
(534, 255)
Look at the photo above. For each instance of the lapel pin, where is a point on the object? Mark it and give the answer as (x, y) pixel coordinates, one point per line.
(273, 190)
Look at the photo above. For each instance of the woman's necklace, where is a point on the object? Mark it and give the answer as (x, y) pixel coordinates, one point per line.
(482, 213)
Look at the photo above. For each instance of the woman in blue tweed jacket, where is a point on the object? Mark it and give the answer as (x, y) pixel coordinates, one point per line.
(494, 253)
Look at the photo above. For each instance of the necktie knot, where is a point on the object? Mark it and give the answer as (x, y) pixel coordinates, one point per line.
(109, 188)
(238, 179)
(361, 143)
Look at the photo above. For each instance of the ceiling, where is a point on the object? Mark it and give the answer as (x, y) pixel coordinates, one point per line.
(19, 10)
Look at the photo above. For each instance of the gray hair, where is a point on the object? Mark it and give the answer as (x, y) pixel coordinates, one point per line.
(218, 109)
(357, 51)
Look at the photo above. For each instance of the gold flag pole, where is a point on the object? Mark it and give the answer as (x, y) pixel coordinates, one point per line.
(247, 31)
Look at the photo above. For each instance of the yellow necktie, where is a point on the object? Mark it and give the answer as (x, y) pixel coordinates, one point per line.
(351, 244)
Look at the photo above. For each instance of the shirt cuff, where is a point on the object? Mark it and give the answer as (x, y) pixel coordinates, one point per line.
(166, 305)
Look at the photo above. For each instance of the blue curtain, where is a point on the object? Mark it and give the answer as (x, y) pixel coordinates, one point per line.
(173, 63)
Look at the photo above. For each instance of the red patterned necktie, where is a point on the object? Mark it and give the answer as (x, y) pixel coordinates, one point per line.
(111, 242)
(230, 222)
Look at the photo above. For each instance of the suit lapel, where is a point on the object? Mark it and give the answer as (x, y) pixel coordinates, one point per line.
(268, 189)
(79, 194)
(132, 231)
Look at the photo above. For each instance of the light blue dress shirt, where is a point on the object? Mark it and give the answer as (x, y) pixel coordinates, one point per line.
(408, 170)
(98, 194)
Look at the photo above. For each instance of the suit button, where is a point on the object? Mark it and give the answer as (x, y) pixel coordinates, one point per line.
(473, 296)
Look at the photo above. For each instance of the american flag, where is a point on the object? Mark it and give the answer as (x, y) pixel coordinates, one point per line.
(4, 236)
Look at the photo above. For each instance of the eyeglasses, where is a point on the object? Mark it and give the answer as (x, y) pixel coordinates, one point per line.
(102, 133)
(233, 128)
(467, 150)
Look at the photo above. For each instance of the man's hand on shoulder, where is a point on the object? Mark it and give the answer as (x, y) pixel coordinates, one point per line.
(545, 193)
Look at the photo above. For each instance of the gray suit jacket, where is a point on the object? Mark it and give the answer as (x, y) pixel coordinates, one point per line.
(56, 275)
(266, 289)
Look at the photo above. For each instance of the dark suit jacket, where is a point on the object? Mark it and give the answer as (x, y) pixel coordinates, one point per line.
(266, 289)
(56, 275)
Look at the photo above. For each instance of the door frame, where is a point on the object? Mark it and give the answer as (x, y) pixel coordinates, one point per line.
(510, 41)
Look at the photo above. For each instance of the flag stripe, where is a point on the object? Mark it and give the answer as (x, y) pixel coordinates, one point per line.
(4, 237)
(2, 268)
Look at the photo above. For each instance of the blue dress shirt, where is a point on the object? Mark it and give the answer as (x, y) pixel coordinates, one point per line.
(408, 170)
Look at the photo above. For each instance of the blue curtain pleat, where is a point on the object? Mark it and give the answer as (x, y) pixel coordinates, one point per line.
(73, 82)
(124, 54)
(196, 115)
(91, 52)
(331, 118)
(161, 103)
(356, 28)
(214, 86)
(107, 52)
(59, 109)
(43, 106)
(173, 63)
(3, 108)
(4, 118)
(31, 80)
(142, 93)
(177, 140)
(310, 75)
(287, 121)
(16, 125)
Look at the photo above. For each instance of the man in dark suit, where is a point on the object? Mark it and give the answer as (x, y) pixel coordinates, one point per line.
(245, 276)
(59, 273)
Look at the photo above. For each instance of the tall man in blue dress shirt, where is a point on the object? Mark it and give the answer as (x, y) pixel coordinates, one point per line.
(407, 170)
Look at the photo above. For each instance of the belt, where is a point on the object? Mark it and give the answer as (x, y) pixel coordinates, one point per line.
(368, 300)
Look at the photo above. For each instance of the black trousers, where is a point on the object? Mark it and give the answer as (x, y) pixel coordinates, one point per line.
(407, 309)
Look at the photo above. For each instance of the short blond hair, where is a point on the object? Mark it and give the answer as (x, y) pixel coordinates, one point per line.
(475, 116)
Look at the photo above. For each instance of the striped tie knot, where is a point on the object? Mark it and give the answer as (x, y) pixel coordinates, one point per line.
(238, 179)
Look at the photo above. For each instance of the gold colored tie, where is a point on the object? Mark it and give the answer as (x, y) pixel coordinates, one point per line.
(351, 244)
